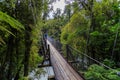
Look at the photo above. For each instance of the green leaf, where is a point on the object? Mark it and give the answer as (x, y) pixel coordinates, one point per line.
(4, 29)
(1, 41)
(114, 28)
(11, 21)
(95, 33)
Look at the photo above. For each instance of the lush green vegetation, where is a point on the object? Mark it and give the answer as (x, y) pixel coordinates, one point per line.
(19, 36)
(93, 29)
(96, 72)
(91, 26)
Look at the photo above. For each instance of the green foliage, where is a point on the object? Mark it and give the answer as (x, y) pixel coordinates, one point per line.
(96, 72)
(11, 21)
(53, 27)
(112, 75)
(6, 30)
(5, 20)
(1, 41)
(114, 28)
(95, 33)
(74, 33)
(65, 34)
(109, 63)
(14, 38)
(75, 6)
(24, 78)
(34, 57)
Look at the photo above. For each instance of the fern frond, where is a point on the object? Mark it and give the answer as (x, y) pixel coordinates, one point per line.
(11, 21)
(1, 41)
(4, 29)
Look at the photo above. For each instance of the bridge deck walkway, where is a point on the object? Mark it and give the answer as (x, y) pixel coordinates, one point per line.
(63, 71)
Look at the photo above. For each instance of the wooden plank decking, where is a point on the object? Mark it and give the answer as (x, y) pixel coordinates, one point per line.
(63, 71)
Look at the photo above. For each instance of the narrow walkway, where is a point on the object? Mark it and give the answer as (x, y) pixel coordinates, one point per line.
(63, 71)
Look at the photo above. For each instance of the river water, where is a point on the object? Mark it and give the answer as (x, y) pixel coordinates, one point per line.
(42, 76)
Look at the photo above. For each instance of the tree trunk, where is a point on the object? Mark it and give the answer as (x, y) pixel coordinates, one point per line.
(27, 50)
(10, 57)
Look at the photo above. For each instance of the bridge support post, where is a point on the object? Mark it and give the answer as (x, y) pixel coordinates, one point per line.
(67, 52)
(49, 55)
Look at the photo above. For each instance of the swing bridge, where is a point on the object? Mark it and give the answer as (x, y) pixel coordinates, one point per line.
(67, 64)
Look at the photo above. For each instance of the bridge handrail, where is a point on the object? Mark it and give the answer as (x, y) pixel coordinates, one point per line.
(91, 58)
